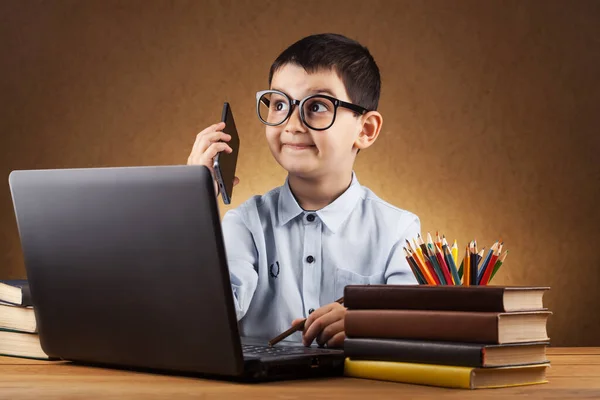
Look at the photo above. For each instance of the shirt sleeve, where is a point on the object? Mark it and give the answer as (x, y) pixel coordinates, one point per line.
(397, 270)
(242, 258)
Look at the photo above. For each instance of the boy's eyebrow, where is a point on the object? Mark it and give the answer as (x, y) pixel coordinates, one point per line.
(322, 90)
(311, 90)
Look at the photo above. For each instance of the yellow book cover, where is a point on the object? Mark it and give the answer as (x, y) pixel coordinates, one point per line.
(446, 375)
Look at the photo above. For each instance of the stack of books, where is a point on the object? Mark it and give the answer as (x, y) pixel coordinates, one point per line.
(18, 327)
(450, 336)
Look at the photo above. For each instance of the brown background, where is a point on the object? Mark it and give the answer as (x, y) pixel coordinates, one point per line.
(490, 113)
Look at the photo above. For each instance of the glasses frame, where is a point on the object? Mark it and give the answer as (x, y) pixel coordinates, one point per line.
(300, 103)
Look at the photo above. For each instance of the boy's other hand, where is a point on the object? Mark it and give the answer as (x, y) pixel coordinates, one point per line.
(326, 325)
(209, 142)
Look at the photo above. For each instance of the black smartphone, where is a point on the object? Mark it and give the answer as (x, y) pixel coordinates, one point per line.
(225, 163)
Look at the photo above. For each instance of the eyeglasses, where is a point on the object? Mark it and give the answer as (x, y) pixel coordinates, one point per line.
(317, 111)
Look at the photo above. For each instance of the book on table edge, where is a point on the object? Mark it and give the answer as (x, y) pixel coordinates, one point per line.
(446, 353)
(21, 344)
(445, 297)
(448, 326)
(17, 318)
(15, 292)
(446, 375)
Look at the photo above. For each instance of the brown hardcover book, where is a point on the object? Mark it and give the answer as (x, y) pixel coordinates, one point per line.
(444, 298)
(454, 326)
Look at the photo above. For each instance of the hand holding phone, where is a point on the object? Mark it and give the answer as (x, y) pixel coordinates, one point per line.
(225, 163)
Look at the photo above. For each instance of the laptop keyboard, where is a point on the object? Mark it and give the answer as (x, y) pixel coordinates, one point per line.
(254, 350)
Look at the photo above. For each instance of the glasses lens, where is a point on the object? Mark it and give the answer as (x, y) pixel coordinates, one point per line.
(318, 112)
(273, 108)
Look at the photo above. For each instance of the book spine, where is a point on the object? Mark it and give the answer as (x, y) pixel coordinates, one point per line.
(419, 297)
(26, 296)
(421, 374)
(414, 351)
(468, 327)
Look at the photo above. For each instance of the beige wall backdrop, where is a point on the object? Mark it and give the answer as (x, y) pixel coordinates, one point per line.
(490, 113)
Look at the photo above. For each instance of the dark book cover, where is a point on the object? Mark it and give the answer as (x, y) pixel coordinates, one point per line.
(444, 298)
(431, 352)
(23, 286)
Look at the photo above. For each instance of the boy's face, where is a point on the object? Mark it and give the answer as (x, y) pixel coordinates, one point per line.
(305, 152)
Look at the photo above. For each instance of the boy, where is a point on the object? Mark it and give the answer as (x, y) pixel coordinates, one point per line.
(292, 250)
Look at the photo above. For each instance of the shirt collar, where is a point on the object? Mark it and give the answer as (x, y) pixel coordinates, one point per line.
(333, 215)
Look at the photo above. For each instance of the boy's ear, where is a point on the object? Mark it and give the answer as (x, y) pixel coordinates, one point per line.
(371, 127)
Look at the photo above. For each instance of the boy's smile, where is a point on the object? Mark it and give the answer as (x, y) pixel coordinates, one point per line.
(305, 152)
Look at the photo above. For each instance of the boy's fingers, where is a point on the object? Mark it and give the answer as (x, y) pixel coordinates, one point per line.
(236, 180)
(211, 128)
(214, 127)
(206, 131)
(215, 148)
(329, 332)
(318, 325)
(203, 142)
(297, 320)
(337, 340)
(317, 314)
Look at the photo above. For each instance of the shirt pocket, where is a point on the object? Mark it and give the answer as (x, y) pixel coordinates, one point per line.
(344, 277)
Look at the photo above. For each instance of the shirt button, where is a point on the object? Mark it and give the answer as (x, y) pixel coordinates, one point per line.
(312, 310)
(310, 217)
(310, 259)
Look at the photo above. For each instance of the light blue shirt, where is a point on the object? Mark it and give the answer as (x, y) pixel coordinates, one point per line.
(285, 261)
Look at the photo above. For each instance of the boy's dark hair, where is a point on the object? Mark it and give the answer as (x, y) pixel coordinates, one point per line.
(348, 58)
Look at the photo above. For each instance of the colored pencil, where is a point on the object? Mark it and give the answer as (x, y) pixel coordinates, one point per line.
(454, 252)
(434, 264)
(423, 264)
(486, 262)
(451, 264)
(418, 250)
(438, 239)
(425, 272)
(488, 273)
(445, 269)
(467, 264)
(438, 271)
(473, 263)
(413, 266)
(499, 264)
(423, 247)
(298, 326)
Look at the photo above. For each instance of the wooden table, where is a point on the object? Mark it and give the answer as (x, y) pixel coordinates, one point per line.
(575, 373)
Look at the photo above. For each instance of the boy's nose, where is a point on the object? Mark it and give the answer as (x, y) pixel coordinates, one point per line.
(294, 123)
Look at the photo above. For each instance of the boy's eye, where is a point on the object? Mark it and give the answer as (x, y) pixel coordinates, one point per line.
(280, 106)
(317, 107)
